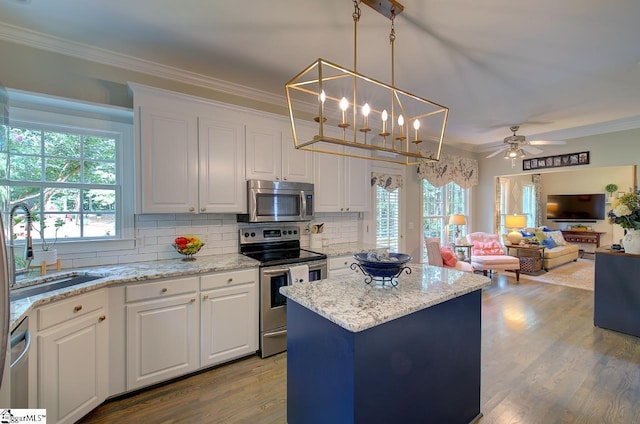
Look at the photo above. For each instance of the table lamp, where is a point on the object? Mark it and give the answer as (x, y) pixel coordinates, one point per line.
(515, 222)
(457, 220)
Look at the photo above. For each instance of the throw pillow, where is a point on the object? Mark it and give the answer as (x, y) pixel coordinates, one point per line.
(448, 257)
(526, 233)
(549, 243)
(487, 248)
(557, 237)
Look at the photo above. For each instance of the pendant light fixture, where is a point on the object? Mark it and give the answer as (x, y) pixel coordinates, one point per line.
(362, 116)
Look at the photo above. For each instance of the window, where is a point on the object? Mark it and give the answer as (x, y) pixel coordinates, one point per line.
(387, 217)
(69, 171)
(529, 204)
(438, 203)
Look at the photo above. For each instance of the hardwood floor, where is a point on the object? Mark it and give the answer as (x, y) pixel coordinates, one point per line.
(543, 361)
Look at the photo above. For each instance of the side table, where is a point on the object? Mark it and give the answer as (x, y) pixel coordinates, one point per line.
(530, 256)
(466, 247)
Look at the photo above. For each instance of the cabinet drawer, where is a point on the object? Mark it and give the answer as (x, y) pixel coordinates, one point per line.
(161, 289)
(226, 279)
(341, 262)
(76, 306)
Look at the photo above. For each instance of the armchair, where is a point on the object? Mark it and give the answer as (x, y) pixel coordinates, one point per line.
(434, 256)
(488, 254)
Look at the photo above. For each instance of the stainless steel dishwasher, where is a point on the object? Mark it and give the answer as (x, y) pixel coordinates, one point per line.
(20, 343)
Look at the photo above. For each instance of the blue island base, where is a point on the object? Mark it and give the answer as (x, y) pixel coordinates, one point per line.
(421, 368)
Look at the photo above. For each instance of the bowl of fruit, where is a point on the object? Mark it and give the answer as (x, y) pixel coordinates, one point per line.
(188, 246)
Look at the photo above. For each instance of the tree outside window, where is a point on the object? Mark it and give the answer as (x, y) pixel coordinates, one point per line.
(67, 178)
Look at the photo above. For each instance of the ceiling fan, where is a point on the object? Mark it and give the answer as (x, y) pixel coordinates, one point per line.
(516, 145)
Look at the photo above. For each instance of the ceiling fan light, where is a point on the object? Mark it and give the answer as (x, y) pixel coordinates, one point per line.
(521, 153)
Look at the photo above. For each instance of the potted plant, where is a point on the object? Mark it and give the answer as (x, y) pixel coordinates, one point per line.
(611, 188)
(46, 253)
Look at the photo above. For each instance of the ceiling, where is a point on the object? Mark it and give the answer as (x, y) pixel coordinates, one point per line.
(559, 69)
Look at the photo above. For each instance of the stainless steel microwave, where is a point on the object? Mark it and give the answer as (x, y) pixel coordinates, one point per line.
(278, 201)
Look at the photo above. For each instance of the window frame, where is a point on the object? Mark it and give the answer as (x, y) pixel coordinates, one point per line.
(60, 115)
(445, 206)
(397, 193)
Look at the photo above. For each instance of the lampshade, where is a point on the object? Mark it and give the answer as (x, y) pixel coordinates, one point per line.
(515, 222)
(457, 220)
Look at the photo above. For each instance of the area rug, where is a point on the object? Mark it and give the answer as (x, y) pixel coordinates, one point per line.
(579, 274)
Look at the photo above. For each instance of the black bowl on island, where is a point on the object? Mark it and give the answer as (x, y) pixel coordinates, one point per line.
(386, 268)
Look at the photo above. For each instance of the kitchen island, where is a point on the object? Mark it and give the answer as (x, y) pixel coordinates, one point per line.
(374, 353)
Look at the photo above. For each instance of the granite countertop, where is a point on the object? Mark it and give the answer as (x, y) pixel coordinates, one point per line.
(356, 306)
(124, 273)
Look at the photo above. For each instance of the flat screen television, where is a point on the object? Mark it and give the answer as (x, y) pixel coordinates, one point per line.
(575, 207)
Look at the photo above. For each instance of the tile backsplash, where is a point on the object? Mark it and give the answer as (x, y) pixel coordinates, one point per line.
(155, 233)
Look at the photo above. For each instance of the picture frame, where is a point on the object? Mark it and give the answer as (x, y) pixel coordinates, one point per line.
(557, 161)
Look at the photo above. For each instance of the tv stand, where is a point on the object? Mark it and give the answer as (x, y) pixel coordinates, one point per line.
(589, 237)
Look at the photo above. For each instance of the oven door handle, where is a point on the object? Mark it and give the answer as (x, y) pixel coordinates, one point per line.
(277, 271)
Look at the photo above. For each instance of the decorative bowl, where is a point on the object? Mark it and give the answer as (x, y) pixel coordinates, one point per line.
(187, 245)
(188, 252)
(382, 268)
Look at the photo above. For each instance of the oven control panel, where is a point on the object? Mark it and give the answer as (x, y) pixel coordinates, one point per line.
(249, 235)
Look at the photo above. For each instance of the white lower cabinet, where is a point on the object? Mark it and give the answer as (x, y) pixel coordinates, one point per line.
(229, 316)
(73, 356)
(162, 330)
(340, 266)
(170, 333)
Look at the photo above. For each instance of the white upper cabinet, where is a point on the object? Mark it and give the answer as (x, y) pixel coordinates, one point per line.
(168, 159)
(271, 154)
(342, 183)
(189, 154)
(221, 177)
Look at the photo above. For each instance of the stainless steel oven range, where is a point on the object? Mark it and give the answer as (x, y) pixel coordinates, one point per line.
(277, 247)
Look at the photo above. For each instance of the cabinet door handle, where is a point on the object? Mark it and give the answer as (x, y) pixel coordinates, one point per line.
(102, 318)
(164, 290)
(345, 262)
(203, 209)
(230, 280)
(191, 209)
(77, 308)
(193, 299)
(205, 297)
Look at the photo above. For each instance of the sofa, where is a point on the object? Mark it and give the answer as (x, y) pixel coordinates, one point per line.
(562, 251)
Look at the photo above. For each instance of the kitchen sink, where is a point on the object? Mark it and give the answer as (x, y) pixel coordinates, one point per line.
(21, 293)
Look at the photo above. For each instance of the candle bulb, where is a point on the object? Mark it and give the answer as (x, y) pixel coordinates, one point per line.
(401, 124)
(322, 97)
(344, 104)
(416, 127)
(365, 113)
(384, 121)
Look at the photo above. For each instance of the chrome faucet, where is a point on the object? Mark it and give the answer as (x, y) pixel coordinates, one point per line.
(28, 243)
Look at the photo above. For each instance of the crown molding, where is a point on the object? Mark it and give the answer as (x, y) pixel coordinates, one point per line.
(38, 40)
